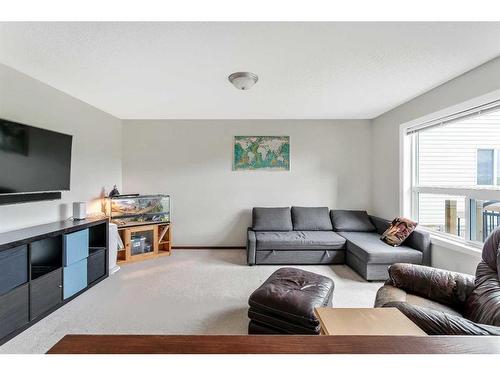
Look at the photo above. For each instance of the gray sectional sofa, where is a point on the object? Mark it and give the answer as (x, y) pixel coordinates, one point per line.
(316, 235)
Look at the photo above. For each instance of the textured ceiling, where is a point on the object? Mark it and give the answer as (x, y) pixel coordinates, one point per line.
(306, 70)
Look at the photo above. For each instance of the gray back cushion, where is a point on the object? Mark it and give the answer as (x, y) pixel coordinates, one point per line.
(272, 219)
(381, 225)
(351, 221)
(311, 218)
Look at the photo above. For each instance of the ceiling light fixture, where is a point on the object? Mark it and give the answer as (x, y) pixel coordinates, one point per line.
(243, 80)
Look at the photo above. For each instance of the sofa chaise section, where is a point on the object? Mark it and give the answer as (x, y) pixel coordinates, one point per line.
(367, 254)
(371, 257)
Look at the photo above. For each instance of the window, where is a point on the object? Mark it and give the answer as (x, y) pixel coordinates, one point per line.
(485, 167)
(442, 213)
(455, 179)
(488, 167)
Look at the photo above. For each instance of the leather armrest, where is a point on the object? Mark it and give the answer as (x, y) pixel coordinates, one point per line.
(449, 288)
(387, 294)
(435, 322)
(251, 246)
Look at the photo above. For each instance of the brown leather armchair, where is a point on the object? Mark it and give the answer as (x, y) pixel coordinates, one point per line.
(448, 303)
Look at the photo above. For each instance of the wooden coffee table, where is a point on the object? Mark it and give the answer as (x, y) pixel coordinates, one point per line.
(387, 321)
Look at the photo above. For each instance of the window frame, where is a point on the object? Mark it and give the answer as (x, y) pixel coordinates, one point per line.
(408, 176)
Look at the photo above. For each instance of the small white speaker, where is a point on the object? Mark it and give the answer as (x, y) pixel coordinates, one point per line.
(79, 211)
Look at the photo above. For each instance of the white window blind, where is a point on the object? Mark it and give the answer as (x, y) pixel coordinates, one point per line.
(459, 116)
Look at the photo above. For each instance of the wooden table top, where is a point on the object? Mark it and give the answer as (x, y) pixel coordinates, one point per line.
(366, 321)
(270, 344)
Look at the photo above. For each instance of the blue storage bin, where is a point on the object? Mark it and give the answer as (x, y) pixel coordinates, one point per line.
(75, 278)
(76, 246)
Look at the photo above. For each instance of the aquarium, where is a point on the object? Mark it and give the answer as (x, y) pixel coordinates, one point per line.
(125, 210)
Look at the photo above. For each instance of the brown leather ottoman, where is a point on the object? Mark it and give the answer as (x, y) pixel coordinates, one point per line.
(285, 303)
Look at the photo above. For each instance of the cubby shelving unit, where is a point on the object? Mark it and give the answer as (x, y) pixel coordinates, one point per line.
(45, 267)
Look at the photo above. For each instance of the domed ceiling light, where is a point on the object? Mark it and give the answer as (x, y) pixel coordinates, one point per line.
(243, 80)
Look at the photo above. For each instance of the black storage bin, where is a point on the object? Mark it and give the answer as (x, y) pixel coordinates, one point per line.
(45, 293)
(13, 268)
(14, 310)
(96, 264)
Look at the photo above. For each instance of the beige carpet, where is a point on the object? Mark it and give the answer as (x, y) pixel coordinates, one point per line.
(190, 292)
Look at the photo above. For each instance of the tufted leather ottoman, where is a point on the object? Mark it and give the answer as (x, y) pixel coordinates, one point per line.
(285, 303)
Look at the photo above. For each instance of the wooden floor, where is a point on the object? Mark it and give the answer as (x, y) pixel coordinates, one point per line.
(261, 344)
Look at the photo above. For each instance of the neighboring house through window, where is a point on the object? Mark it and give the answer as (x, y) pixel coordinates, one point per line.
(485, 167)
(455, 183)
(488, 167)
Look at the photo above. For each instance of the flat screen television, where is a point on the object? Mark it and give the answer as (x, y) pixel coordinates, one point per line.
(33, 159)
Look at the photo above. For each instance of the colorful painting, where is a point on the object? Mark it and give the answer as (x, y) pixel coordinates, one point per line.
(261, 153)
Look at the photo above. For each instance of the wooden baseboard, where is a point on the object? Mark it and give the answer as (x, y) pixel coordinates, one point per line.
(208, 247)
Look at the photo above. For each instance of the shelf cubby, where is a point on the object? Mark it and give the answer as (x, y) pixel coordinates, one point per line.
(46, 256)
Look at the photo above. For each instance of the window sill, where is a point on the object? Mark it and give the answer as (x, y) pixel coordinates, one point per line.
(455, 245)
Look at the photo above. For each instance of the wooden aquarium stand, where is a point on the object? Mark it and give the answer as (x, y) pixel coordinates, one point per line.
(159, 237)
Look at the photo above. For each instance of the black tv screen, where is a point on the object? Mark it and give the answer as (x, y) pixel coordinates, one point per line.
(33, 159)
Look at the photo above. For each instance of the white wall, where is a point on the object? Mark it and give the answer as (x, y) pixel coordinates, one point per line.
(192, 161)
(385, 144)
(96, 154)
(385, 129)
(454, 260)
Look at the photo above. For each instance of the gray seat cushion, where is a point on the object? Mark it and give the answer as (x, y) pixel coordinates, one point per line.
(299, 240)
(351, 221)
(370, 249)
(272, 218)
(311, 218)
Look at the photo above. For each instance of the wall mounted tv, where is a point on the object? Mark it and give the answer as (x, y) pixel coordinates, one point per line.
(35, 164)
